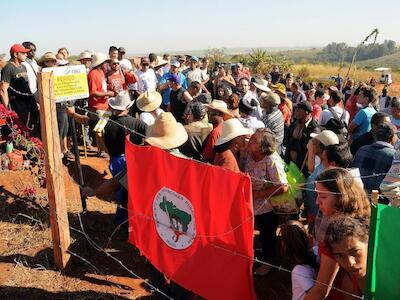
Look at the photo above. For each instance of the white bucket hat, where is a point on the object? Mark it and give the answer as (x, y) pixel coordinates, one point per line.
(98, 58)
(220, 106)
(166, 132)
(149, 101)
(326, 137)
(121, 102)
(231, 129)
(262, 84)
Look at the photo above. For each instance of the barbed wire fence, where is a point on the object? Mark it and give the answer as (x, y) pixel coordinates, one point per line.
(135, 214)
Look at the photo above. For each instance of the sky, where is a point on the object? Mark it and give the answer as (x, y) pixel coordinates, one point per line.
(165, 26)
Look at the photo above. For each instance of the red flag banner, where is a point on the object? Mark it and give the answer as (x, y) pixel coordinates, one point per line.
(193, 221)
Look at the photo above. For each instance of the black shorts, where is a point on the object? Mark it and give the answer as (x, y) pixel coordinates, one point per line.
(62, 120)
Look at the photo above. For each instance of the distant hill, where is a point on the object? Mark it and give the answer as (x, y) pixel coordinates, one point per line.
(301, 55)
(240, 51)
(388, 61)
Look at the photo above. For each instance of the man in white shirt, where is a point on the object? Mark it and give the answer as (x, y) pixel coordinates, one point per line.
(146, 78)
(31, 66)
(247, 95)
(123, 62)
(336, 109)
(194, 73)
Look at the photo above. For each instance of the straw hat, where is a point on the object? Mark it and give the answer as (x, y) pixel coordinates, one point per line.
(231, 129)
(261, 84)
(160, 62)
(85, 55)
(149, 101)
(47, 57)
(280, 89)
(98, 58)
(121, 102)
(220, 106)
(166, 132)
(326, 137)
(270, 97)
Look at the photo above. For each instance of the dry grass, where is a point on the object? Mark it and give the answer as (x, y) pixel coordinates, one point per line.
(322, 72)
(22, 239)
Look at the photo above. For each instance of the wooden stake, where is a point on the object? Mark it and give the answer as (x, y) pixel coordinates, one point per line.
(84, 140)
(54, 171)
(374, 197)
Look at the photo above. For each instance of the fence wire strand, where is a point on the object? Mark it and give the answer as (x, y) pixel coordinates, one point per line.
(141, 215)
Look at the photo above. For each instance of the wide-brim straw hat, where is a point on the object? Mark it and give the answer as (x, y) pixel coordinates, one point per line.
(279, 88)
(270, 97)
(160, 62)
(261, 84)
(98, 58)
(326, 137)
(219, 105)
(231, 129)
(166, 132)
(149, 101)
(121, 102)
(47, 57)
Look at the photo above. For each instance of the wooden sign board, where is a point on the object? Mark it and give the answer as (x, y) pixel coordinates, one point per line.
(69, 82)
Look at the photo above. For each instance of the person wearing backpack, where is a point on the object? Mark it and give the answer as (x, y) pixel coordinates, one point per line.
(335, 110)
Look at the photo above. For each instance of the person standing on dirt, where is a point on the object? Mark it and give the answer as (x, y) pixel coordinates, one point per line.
(146, 78)
(15, 91)
(116, 78)
(125, 64)
(98, 94)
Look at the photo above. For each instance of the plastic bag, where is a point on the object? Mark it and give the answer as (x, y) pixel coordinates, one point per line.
(286, 203)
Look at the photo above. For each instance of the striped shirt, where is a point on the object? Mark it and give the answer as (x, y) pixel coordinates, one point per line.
(274, 121)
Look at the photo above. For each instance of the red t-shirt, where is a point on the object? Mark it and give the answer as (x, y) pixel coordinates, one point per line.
(351, 107)
(116, 82)
(97, 83)
(226, 160)
(316, 113)
(287, 114)
(208, 152)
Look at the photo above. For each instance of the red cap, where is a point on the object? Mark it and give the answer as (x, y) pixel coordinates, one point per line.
(18, 48)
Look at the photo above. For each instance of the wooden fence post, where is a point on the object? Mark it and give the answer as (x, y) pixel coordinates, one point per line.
(54, 171)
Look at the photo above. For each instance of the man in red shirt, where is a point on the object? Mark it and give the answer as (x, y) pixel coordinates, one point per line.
(98, 94)
(217, 113)
(115, 78)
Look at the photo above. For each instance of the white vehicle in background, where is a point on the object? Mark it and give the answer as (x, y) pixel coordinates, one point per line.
(386, 76)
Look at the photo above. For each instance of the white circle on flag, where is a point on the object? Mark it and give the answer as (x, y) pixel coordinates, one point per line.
(174, 219)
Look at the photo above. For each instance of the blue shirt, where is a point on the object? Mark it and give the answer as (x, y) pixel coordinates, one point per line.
(310, 201)
(372, 160)
(363, 121)
(167, 92)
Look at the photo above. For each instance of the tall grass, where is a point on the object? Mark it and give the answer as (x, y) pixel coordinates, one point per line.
(324, 72)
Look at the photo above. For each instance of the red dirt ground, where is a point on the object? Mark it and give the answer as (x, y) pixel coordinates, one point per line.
(26, 260)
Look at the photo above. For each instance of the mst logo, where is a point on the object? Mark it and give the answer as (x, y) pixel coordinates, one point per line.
(174, 217)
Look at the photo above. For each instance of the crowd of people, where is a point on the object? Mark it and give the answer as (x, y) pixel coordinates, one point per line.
(342, 138)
